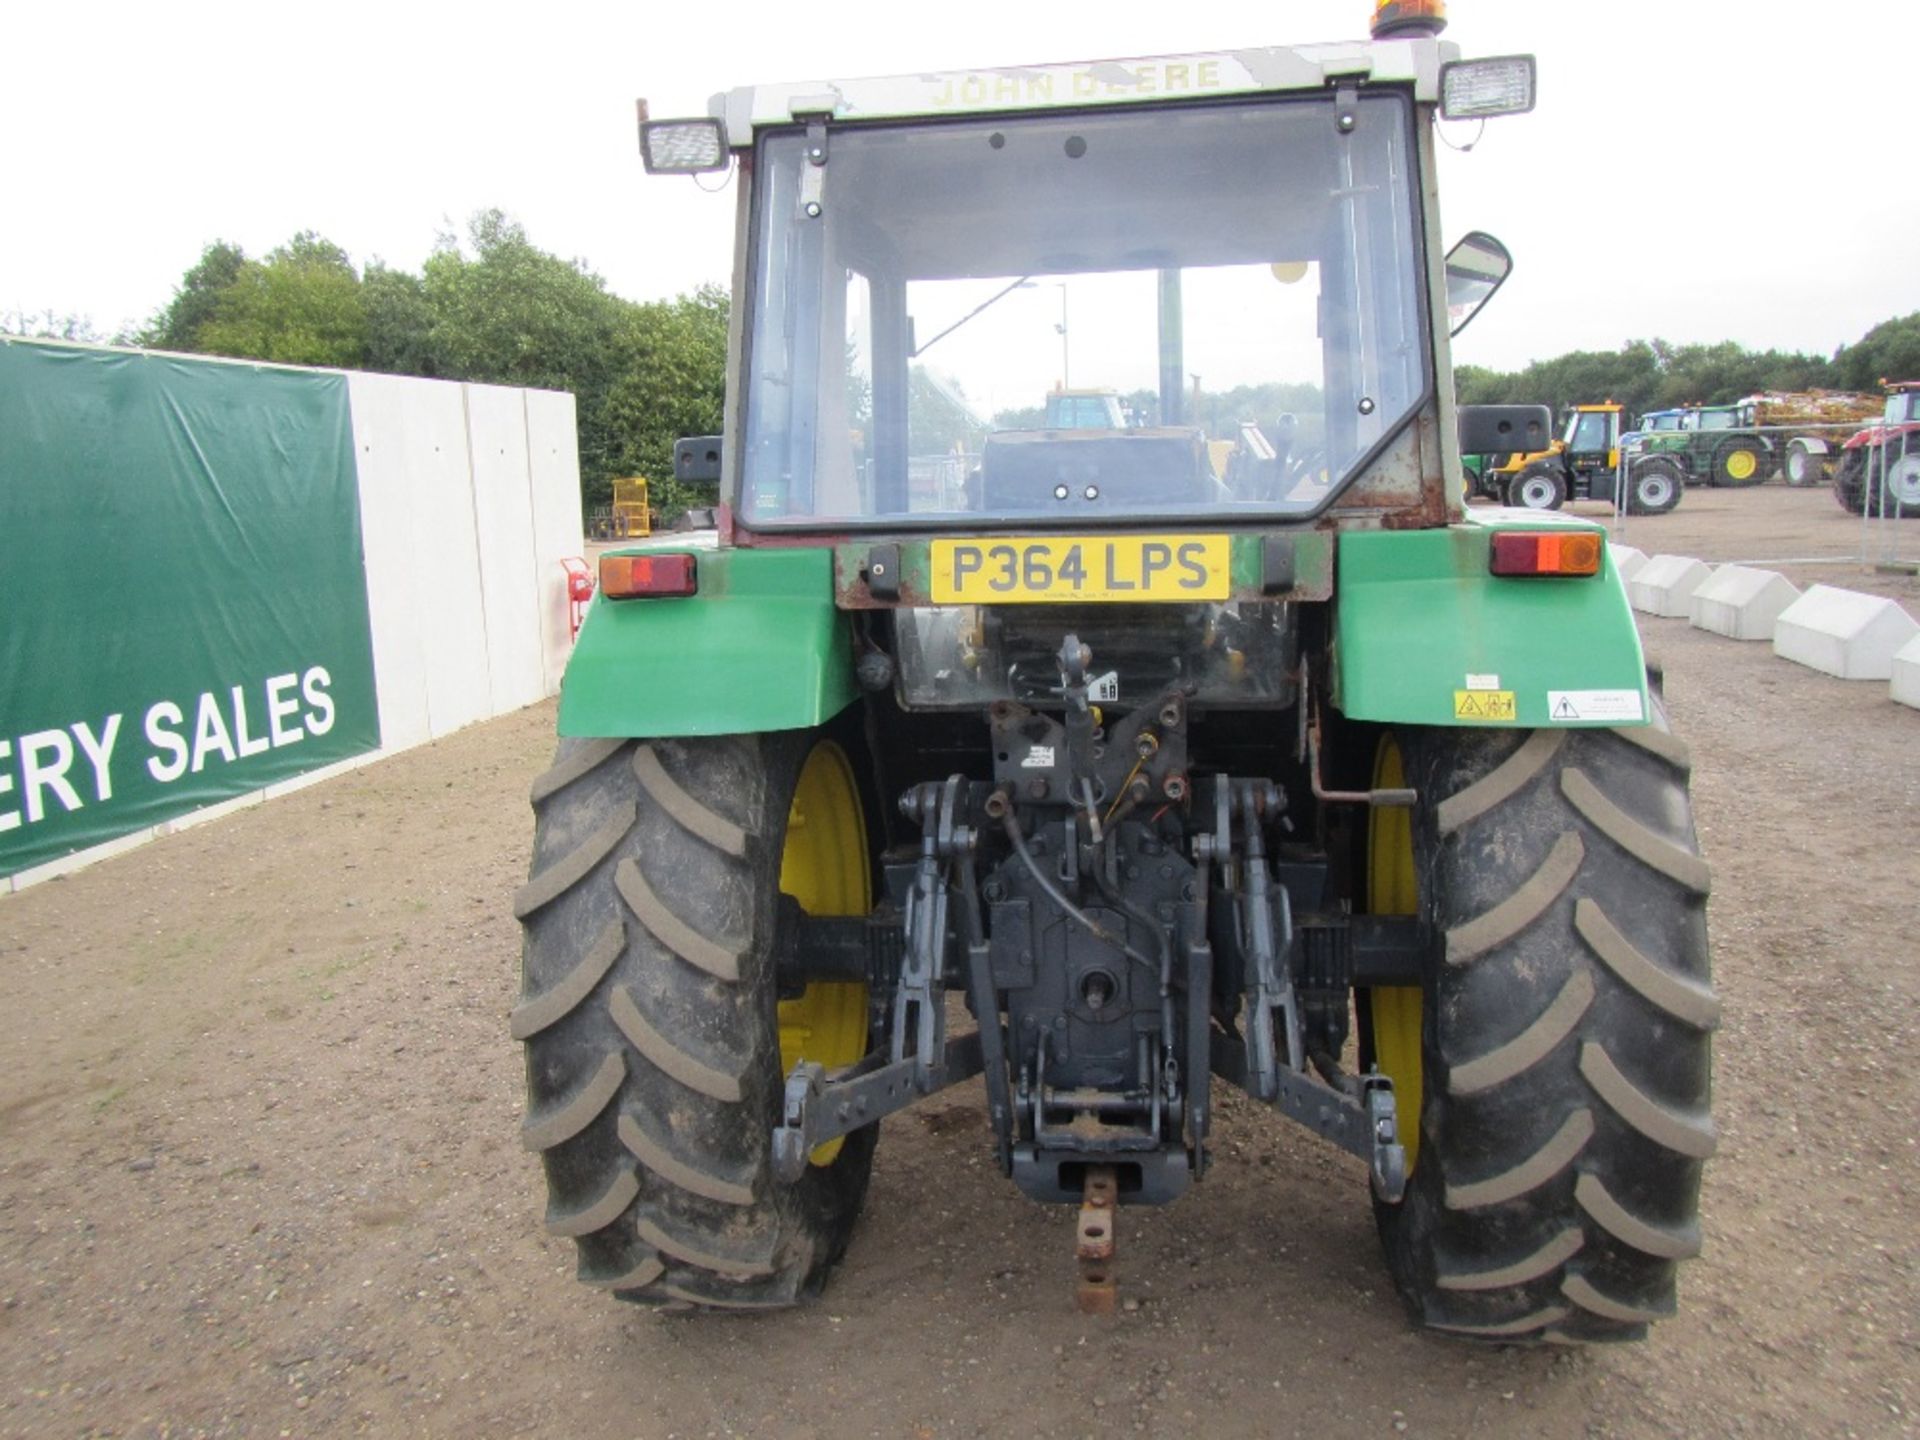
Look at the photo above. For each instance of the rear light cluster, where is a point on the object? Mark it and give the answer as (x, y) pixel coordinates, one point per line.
(631, 577)
(1549, 552)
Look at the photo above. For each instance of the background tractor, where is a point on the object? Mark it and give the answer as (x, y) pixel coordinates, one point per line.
(1304, 781)
(1582, 465)
(1792, 433)
(1804, 430)
(1878, 472)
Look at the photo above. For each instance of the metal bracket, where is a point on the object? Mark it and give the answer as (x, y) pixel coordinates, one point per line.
(919, 1011)
(813, 189)
(1270, 994)
(816, 1110)
(1346, 107)
(1389, 1158)
(1368, 1128)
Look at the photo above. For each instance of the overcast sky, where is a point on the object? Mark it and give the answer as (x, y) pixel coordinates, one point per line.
(1693, 171)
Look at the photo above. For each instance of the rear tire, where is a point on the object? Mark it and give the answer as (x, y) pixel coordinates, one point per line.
(649, 1014)
(1654, 486)
(1901, 485)
(1563, 1028)
(1850, 479)
(1804, 464)
(1741, 462)
(1538, 487)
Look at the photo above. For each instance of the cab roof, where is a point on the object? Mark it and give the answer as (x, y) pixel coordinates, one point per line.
(1144, 80)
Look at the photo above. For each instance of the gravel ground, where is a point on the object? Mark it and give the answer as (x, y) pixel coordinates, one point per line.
(259, 1169)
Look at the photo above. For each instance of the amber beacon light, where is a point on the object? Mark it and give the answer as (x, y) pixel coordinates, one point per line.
(1393, 19)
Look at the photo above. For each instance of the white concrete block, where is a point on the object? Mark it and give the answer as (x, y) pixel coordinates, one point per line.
(1741, 603)
(1906, 673)
(1843, 633)
(553, 461)
(1627, 560)
(1665, 585)
(503, 514)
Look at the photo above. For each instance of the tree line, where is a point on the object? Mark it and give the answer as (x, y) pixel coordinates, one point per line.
(1645, 375)
(495, 309)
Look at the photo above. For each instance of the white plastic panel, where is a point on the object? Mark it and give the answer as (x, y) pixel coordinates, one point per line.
(1844, 633)
(1665, 585)
(503, 516)
(553, 454)
(1742, 603)
(423, 572)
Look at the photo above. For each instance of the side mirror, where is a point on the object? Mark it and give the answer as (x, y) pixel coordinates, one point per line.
(1496, 429)
(1476, 267)
(697, 458)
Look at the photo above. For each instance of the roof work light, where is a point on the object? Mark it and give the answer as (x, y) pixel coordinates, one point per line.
(1498, 85)
(681, 147)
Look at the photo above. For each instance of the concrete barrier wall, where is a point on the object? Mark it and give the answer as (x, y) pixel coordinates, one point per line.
(469, 499)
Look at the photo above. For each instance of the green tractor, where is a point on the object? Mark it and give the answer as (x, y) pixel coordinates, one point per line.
(1088, 775)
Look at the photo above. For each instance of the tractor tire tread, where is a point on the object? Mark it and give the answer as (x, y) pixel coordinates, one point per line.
(1551, 1159)
(651, 1032)
(582, 761)
(715, 1080)
(659, 1157)
(1685, 1000)
(1532, 1045)
(1499, 923)
(719, 958)
(1566, 1114)
(1550, 1256)
(1639, 840)
(1516, 771)
(548, 885)
(559, 1000)
(1691, 1135)
(571, 1116)
(712, 827)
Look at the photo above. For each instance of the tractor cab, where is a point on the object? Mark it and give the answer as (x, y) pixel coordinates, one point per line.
(1592, 437)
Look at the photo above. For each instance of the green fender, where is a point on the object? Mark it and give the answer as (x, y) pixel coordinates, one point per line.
(760, 647)
(1424, 634)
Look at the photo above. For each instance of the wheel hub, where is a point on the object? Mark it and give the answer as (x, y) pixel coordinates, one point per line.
(1903, 479)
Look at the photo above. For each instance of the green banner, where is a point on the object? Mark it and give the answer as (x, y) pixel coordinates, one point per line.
(183, 602)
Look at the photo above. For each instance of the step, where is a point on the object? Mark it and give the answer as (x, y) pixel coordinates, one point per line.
(1742, 603)
(1844, 633)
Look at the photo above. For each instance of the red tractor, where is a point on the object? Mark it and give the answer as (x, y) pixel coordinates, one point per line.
(1879, 469)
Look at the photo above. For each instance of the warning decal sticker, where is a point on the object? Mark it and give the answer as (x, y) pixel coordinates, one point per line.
(1610, 707)
(1483, 705)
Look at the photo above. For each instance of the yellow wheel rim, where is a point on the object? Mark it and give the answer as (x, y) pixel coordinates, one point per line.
(823, 865)
(1393, 888)
(1740, 464)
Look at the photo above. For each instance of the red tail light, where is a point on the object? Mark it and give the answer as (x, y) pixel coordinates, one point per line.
(632, 577)
(1549, 552)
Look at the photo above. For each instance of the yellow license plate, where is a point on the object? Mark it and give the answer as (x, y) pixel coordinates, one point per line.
(1081, 568)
